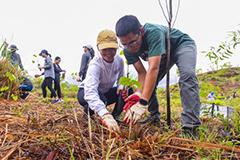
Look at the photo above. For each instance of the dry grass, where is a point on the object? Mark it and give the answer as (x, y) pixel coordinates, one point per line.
(46, 131)
(7, 69)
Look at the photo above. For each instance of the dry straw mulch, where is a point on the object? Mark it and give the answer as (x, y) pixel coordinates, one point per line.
(6, 71)
(46, 131)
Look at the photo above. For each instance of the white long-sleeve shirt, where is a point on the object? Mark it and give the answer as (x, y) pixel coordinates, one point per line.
(101, 76)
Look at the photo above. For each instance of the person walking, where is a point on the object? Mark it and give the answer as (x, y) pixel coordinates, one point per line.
(49, 75)
(97, 91)
(86, 58)
(58, 70)
(148, 42)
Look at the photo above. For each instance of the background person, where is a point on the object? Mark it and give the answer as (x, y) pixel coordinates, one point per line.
(12, 55)
(86, 58)
(58, 70)
(149, 43)
(25, 86)
(211, 96)
(97, 91)
(49, 75)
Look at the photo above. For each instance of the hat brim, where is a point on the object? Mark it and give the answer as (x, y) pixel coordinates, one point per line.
(107, 45)
(13, 49)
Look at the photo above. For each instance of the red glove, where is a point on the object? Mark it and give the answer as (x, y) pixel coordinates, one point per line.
(131, 100)
(37, 75)
(124, 94)
(63, 70)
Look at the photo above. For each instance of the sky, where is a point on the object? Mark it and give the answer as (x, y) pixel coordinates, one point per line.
(64, 26)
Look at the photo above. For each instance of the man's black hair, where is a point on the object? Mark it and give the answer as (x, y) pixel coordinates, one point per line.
(127, 24)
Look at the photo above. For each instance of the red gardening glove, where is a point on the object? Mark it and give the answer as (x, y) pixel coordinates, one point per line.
(131, 100)
(124, 94)
(37, 75)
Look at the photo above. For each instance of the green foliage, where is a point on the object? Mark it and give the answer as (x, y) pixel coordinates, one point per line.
(236, 118)
(224, 50)
(74, 75)
(10, 76)
(70, 151)
(199, 71)
(18, 111)
(37, 82)
(129, 82)
(14, 97)
(206, 88)
(226, 65)
(121, 53)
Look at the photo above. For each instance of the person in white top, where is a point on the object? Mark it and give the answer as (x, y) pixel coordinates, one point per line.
(97, 89)
(211, 96)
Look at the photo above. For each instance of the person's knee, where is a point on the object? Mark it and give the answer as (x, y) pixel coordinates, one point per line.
(80, 97)
(187, 74)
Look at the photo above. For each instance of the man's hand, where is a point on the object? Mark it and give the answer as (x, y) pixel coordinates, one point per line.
(41, 67)
(131, 100)
(134, 113)
(64, 71)
(110, 123)
(120, 88)
(78, 79)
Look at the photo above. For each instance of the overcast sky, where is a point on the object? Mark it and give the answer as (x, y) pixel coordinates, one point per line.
(64, 26)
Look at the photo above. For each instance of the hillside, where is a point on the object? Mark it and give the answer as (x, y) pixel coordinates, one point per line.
(36, 129)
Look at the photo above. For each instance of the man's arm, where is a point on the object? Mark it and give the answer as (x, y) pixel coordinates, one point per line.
(141, 73)
(151, 76)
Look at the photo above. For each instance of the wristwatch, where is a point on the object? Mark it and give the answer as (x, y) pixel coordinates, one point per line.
(143, 101)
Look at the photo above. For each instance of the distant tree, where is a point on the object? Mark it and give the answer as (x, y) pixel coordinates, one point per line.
(224, 50)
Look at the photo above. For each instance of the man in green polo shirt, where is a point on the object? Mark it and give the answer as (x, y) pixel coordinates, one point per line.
(149, 43)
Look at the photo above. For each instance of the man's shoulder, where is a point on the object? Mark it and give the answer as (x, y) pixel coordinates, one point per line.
(152, 26)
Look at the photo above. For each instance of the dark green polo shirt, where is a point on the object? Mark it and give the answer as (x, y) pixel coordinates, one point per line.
(154, 42)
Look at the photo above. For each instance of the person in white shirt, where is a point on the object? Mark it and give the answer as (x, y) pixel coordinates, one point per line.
(97, 90)
(211, 96)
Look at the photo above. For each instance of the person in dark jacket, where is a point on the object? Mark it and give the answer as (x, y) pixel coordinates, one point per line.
(13, 57)
(25, 85)
(57, 70)
(86, 58)
(49, 75)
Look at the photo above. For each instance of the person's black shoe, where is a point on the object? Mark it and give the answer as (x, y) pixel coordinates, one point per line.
(190, 133)
(24, 95)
